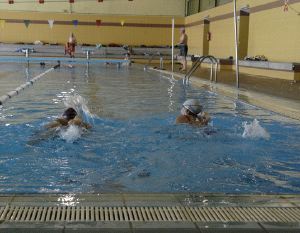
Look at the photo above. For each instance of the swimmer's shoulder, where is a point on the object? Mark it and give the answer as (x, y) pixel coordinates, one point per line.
(79, 122)
(182, 119)
(57, 123)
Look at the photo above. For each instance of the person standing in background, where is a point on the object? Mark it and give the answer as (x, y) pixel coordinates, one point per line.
(70, 45)
(183, 48)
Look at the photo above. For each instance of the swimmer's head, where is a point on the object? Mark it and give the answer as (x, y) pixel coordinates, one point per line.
(182, 30)
(69, 114)
(193, 106)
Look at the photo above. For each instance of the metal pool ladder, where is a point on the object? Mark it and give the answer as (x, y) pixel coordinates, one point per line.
(213, 68)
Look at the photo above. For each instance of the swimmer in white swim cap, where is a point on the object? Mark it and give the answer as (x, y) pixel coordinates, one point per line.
(192, 113)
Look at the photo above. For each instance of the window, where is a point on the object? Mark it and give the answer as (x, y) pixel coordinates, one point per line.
(207, 4)
(221, 2)
(195, 6)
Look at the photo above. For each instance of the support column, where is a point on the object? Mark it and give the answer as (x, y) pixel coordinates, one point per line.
(206, 37)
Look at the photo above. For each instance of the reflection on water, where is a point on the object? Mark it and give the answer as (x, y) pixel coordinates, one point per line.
(134, 145)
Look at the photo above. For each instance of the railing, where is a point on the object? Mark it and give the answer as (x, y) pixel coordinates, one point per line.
(88, 52)
(213, 68)
(27, 51)
(151, 57)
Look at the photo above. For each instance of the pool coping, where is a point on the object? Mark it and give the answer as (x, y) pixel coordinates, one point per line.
(283, 106)
(144, 200)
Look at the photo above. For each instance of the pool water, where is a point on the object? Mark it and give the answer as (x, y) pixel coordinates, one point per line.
(134, 145)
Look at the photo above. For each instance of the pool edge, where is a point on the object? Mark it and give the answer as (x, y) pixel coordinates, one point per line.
(283, 106)
(193, 212)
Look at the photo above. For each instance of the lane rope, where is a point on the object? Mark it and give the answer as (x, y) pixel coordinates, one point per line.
(20, 88)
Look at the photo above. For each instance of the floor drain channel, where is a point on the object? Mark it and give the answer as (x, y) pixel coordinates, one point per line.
(148, 214)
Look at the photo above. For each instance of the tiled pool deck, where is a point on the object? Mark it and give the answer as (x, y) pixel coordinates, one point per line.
(149, 213)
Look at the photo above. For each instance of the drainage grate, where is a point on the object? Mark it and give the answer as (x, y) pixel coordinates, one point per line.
(148, 214)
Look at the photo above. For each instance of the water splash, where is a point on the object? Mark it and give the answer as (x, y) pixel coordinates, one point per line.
(254, 130)
(71, 133)
(80, 105)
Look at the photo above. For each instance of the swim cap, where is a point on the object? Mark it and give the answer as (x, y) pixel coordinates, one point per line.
(69, 114)
(193, 106)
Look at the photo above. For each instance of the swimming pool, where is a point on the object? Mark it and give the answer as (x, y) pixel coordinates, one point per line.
(134, 145)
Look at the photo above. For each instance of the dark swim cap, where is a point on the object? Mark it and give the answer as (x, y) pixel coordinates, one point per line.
(70, 114)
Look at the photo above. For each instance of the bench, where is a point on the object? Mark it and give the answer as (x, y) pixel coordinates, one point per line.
(280, 70)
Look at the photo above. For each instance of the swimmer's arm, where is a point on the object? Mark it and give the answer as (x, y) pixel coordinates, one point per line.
(78, 122)
(51, 125)
(205, 118)
(85, 125)
(57, 123)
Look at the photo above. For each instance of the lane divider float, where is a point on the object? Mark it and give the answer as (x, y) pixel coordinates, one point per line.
(19, 89)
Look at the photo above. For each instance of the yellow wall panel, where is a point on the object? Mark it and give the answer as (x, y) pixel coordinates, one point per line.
(195, 38)
(222, 39)
(275, 34)
(272, 32)
(147, 30)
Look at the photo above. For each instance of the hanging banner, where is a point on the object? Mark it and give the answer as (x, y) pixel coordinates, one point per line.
(98, 22)
(122, 22)
(75, 22)
(51, 22)
(2, 23)
(27, 22)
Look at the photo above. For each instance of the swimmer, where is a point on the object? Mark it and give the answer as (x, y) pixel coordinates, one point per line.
(191, 113)
(69, 117)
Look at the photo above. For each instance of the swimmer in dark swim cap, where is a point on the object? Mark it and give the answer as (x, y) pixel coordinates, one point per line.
(69, 117)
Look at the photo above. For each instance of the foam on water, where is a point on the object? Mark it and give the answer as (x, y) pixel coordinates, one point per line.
(254, 130)
(71, 133)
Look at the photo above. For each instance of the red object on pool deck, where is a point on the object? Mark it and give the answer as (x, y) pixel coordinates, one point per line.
(41, 1)
(11, 2)
(71, 1)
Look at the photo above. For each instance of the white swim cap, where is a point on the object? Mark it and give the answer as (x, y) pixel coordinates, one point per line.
(193, 105)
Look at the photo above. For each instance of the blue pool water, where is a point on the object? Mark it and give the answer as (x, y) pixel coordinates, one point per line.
(134, 145)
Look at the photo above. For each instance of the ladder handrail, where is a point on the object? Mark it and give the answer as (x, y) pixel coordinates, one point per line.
(213, 71)
(193, 67)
